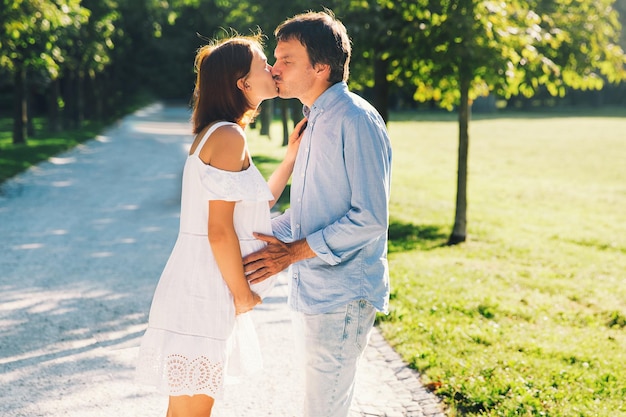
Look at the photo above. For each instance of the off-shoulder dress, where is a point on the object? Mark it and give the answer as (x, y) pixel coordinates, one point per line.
(194, 340)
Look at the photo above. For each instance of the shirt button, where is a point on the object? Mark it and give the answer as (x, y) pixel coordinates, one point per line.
(297, 226)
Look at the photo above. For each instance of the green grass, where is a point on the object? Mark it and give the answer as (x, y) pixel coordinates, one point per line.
(44, 144)
(528, 317)
(17, 158)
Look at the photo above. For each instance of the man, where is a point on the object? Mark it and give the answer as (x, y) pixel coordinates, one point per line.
(334, 235)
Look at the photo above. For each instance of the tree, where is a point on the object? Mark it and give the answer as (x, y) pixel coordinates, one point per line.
(74, 44)
(88, 51)
(28, 35)
(372, 27)
(461, 49)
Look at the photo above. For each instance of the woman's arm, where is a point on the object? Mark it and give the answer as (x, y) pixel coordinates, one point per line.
(226, 250)
(226, 150)
(279, 178)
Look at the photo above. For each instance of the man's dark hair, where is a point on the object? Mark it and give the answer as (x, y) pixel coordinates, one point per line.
(325, 39)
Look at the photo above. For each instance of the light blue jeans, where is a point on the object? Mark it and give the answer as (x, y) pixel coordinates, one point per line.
(330, 346)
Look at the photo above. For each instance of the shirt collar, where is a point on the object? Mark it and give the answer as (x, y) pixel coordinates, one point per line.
(326, 99)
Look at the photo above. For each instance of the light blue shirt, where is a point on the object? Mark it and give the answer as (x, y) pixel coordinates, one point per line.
(340, 204)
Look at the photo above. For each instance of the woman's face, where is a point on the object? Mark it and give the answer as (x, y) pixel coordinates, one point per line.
(259, 84)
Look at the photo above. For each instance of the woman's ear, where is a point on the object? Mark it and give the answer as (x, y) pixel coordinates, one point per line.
(243, 85)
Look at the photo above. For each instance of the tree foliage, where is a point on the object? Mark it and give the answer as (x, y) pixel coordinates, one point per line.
(29, 31)
(29, 35)
(458, 50)
(89, 57)
(509, 48)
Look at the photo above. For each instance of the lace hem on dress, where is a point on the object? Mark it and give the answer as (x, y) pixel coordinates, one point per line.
(179, 364)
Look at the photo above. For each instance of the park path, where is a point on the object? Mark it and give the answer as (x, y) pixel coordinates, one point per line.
(83, 239)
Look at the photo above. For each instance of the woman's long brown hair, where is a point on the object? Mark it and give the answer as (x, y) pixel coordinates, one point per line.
(218, 66)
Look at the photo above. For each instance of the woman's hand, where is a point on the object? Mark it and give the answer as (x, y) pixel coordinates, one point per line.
(294, 140)
(279, 178)
(247, 303)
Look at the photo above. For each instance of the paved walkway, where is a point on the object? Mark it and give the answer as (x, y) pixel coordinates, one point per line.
(83, 239)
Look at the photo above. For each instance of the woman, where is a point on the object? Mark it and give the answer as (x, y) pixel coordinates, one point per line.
(199, 332)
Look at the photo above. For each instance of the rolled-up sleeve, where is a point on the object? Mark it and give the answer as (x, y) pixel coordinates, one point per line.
(318, 244)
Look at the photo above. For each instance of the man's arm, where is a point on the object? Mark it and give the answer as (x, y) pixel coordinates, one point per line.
(367, 162)
(274, 257)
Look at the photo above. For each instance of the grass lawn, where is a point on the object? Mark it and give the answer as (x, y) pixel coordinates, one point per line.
(17, 158)
(527, 318)
(44, 144)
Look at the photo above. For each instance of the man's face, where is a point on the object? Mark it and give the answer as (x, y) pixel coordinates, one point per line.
(292, 71)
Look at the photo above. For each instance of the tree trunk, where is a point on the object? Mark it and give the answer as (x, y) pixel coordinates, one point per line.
(20, 106)
(69, 97)
(266, 118)
(459, 231)
(381, 88)
(295, 107)
(93, 97)
(54, 119)
(80, 98)
(30, 120)
(99, 98)
(97, 88)
(284, 115)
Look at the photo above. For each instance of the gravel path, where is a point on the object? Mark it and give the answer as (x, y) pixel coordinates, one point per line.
(84, 237)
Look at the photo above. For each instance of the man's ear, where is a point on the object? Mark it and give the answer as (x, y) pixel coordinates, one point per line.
(322, 70)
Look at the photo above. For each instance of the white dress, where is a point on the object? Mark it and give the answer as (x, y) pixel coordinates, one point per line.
(194, 341)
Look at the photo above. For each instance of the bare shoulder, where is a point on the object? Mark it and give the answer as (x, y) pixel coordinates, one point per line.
(226, 148)
(228, 133)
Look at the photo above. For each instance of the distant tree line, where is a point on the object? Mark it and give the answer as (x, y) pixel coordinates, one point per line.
(77, 60)
(73, 60)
